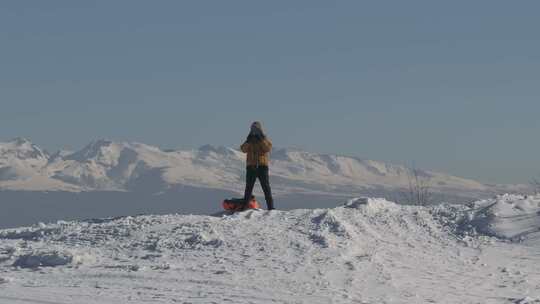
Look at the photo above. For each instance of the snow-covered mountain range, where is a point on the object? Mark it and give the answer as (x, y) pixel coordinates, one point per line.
(121, 166)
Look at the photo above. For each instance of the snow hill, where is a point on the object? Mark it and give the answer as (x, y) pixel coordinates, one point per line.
(366, 251)
(119, 166)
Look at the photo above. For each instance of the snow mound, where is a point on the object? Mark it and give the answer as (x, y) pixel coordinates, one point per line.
(43, 259)
(527, 300)
(512, 217)
(367, 251)
(6, 253)
(32, 233)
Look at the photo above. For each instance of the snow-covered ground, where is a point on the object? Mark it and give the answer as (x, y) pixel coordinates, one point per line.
(367, 251)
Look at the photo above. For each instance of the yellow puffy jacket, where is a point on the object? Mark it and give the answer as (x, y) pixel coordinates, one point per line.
(258, 153)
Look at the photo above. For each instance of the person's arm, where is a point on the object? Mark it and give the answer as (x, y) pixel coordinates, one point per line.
(244, 147)
(266, 145)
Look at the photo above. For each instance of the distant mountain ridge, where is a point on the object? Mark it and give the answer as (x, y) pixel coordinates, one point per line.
(105, 165)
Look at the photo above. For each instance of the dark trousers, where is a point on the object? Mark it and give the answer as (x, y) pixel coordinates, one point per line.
(260, 172)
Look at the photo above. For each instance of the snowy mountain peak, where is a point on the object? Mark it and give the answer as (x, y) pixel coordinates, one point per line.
(98, 150)
(60, 155)
(19, 141)
(95, 147)
(20, 160)
(288, 153)
(22, 149)
(219, 150)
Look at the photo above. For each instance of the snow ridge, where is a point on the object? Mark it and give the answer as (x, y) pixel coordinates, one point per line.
(511, 217)
(366, 251)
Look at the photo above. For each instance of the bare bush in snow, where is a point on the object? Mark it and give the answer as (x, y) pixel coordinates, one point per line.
(535, 183)
(419, 192)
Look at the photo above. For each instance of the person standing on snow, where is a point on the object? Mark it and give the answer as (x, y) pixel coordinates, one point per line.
(257, 147)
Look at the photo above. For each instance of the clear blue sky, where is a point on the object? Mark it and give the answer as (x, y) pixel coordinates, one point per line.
(453, 85)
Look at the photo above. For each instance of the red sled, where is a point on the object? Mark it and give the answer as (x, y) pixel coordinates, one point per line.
(237, 204)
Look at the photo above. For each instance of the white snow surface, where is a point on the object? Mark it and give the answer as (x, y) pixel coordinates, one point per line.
(512, 217)
(366, 251)
(123, 166)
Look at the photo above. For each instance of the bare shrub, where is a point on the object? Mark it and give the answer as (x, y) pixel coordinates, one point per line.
(535, 184)
(419, 192)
